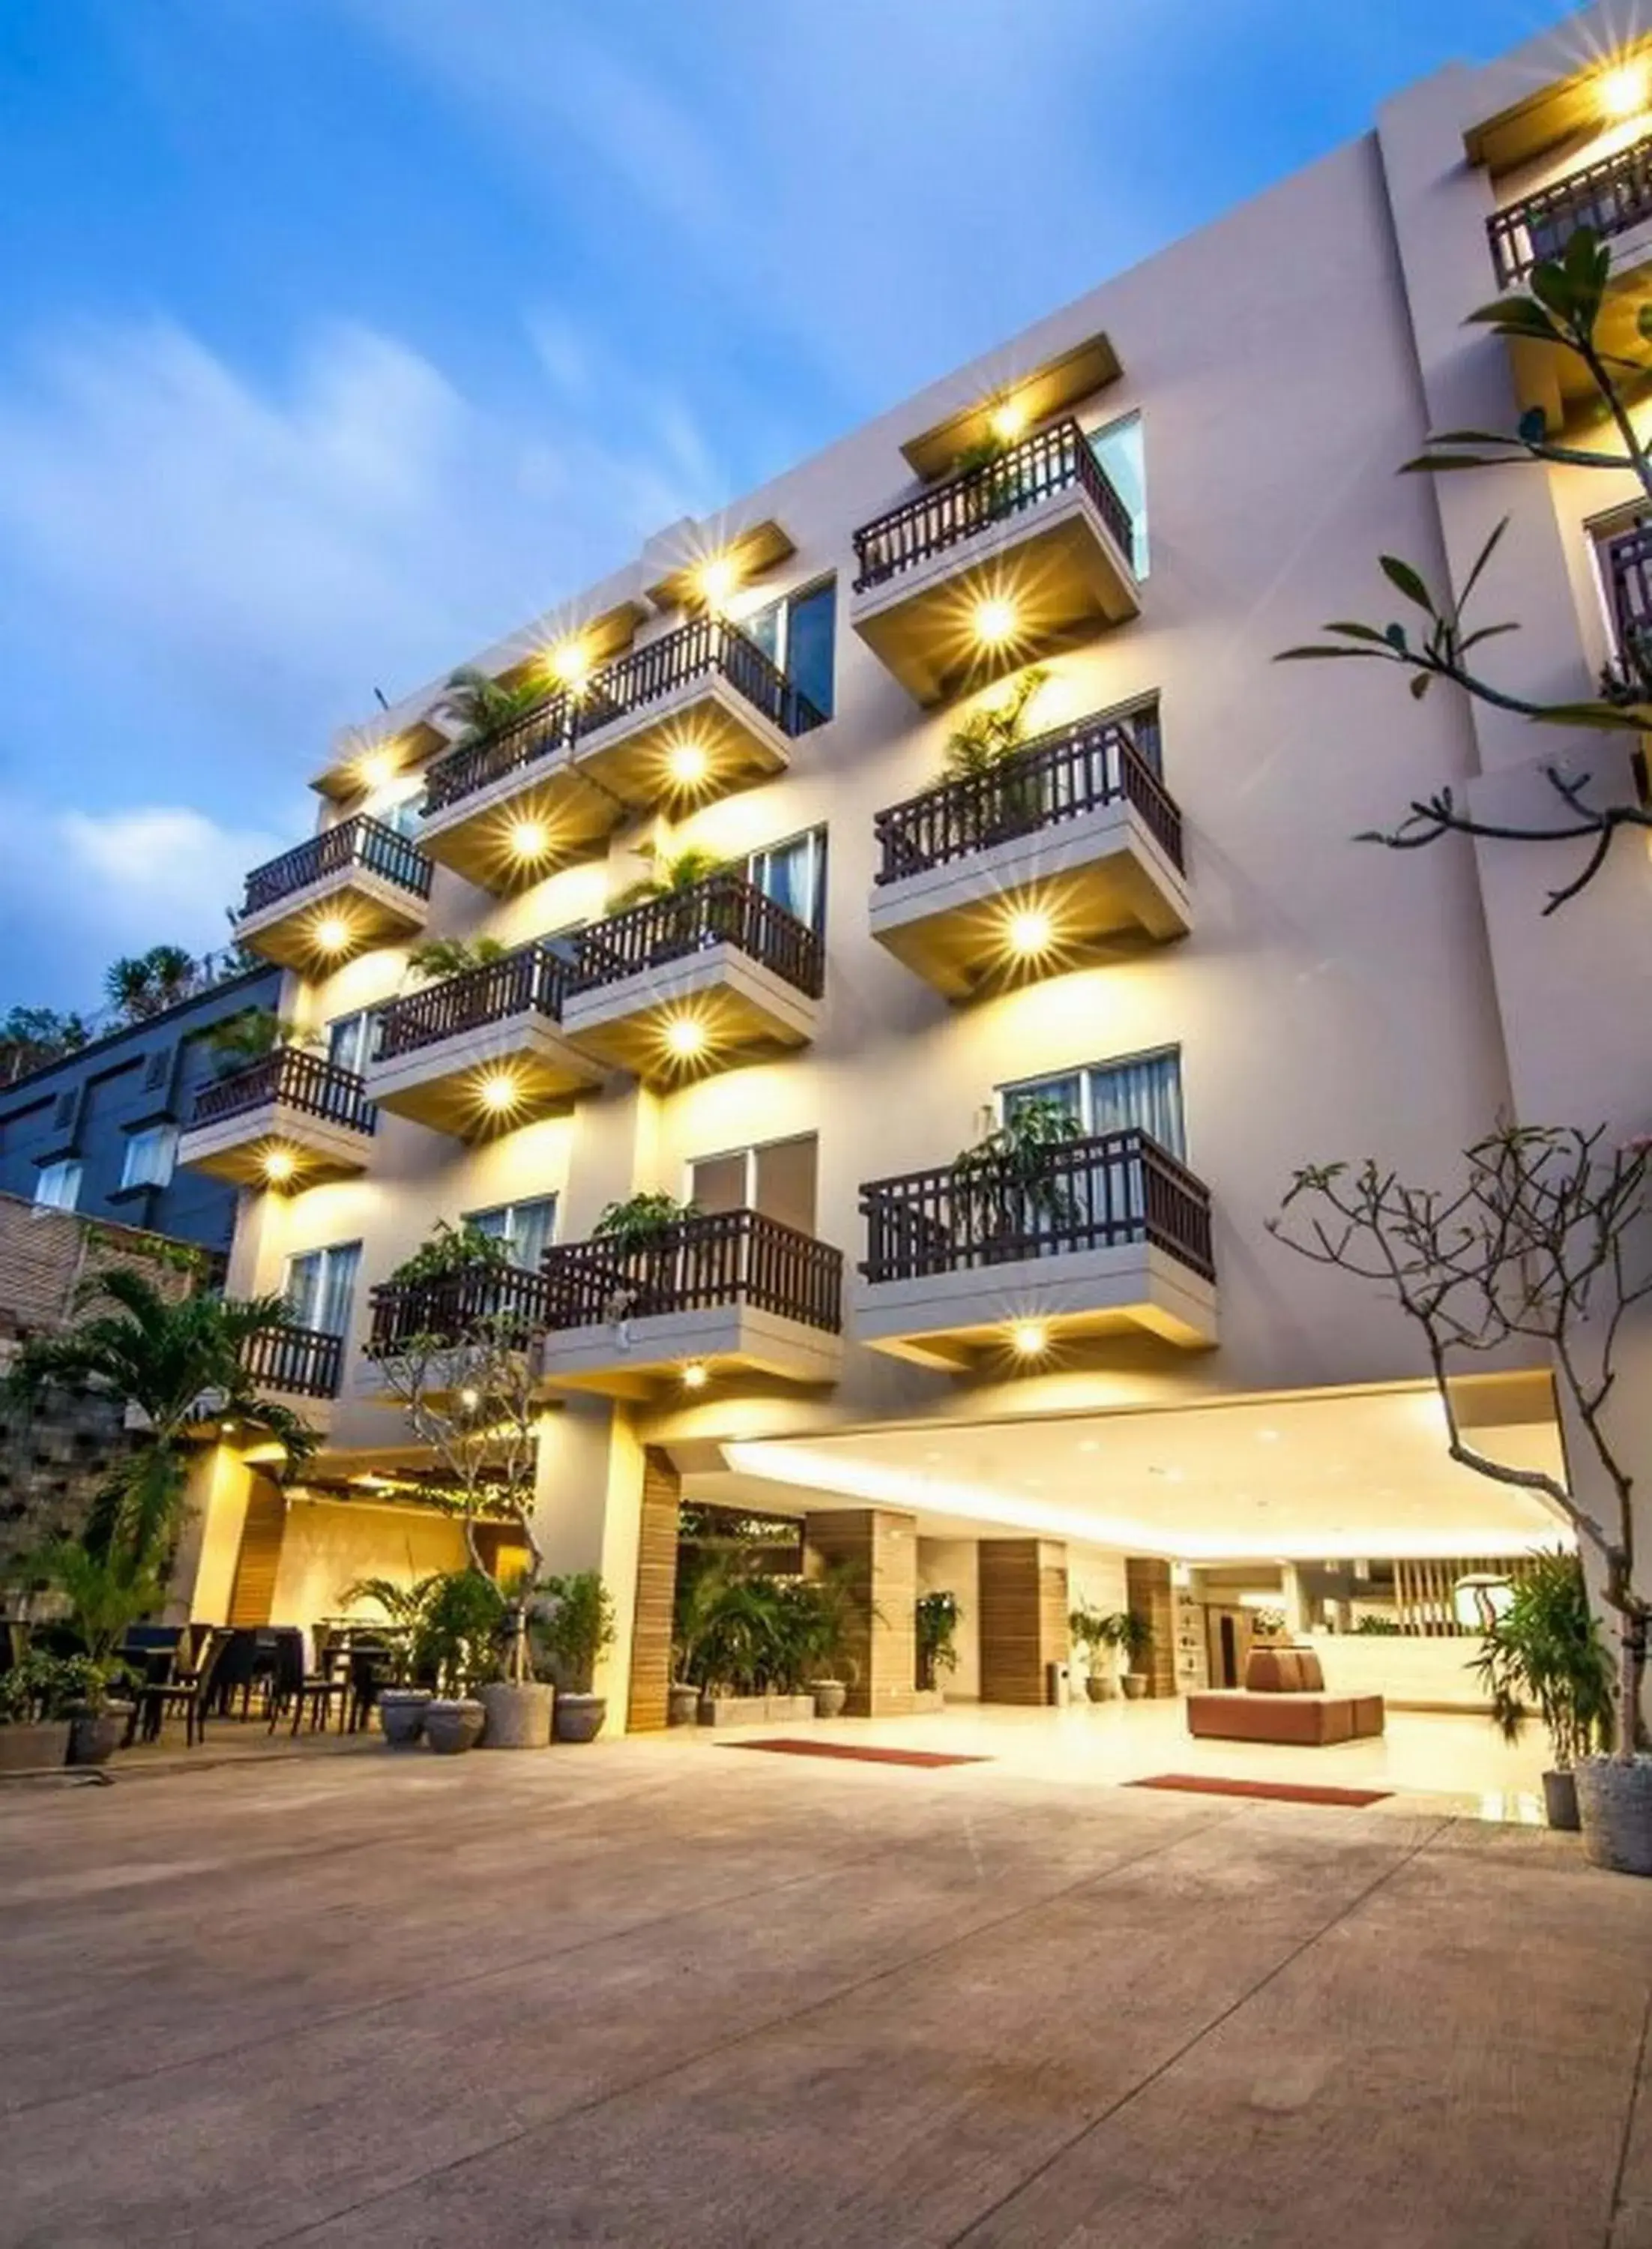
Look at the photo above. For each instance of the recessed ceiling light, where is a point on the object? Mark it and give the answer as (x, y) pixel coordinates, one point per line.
(1622, 92)
(995, 621)
(1028, 1339)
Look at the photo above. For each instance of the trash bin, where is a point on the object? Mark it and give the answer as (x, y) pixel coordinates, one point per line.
(1058, 1683)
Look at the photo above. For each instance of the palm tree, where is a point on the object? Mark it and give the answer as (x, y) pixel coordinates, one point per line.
(439, 957)
(145, 984)
(987, 737)
(175, 1363)
(480, 705)
(670, 875)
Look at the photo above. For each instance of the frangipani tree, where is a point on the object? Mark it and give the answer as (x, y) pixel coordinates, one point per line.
(1545, 1242)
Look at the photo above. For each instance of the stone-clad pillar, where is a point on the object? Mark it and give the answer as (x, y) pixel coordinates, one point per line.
(879, 1549)
(1023, 1603)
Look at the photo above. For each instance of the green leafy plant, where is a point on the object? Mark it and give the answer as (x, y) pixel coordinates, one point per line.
(670, 875)
(481, 706)
(107, 1593)
(460, 1628)
(449, 1250)
(438, 958)
(250, 1035)
(1545, 1649)
(143, 984)
(1374, 1626)
(1091, 1629)
(1129, 1632)
(574, 1627)
(1007, 1178)
(641, 1221)
(41, 1689)
(990, 737)
(30, 1038)
(936, 1620)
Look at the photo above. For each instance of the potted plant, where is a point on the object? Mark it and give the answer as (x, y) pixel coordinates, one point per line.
(1006, 1186)
(455, 1645)
(1268, 1624)
(641, 1221)
(1132, 1634)
(401, 1705)
(1546, 1648)
(1006, 798)
(35, 1699)
(519, 1705)
(936, 1620)
(573, 1630)
(1091, 1630)
(106, 1595)
(436, 959)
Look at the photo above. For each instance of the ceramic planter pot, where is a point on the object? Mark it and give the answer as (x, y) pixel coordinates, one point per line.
(1614, 1804)
(519, 1714)
(1100, 1689)
(830, 1696)
(681, 1705)
(402, 1714)
(453, 1727)
(34, 1748)
(1135, 1684)
(94, 1736)
(1561, 1801)
(579, 1717)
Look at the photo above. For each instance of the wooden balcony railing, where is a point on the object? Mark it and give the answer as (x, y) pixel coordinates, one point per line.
(1057, 778)
(1608, 197)
(530, 980)
(717, 1258)
(504, 1302)
(704, 647)
(1629, 573)
(296, 1080)
(723, 910)
(300, 1362)
(357, 842)
(1098, 1192)
(1052, 460)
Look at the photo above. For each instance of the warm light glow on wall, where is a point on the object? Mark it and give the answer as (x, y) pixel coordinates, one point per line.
(376, 770)
(687, 765)
(1622, 92)
(994, 621)
(694, 1376)
(1029, 1339)
(279, 1165)
(1030, 933)
(715, 580)
(498, 1092)
(1008, 419)
(529, 839)
(571, 662)
(684, 1037)
(331, 933)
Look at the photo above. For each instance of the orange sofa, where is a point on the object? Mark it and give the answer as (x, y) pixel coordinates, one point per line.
(1284, 1699)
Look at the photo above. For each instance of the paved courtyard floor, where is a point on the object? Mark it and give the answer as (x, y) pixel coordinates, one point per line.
(665, 1992)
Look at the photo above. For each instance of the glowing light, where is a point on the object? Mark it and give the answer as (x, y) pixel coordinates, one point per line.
(279, 1164)
(687, 763)
(1009, 419)
(499, 1091)
(1030, 933)
(529, 839)
(994, 621)
(571, 663)
(331, 933)
(377, 768)
(715, 580)
(226, 1428)
(469, 1399)
(684, 1037)
(695, 1377)
(1029, 1339)
(1622, 92)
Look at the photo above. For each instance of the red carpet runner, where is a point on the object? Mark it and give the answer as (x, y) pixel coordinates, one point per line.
(1283, 1791)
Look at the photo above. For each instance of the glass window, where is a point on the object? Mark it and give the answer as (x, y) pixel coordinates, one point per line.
(57, 1186)
(1143, 1094)
(150, 1156)
(1120, 450)
(321, 1287)
(351, 1040)
(777, 1180)
(794, 874)
(799, 635)
(524, 1228)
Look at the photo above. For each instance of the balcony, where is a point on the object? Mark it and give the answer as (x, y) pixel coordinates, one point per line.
(498, 1302)
(1039, 538)
(350, 888)
(692, 715)
(291, 1121)
(1071, 845)
(1614, 199)
(482, 1052)
(1627, 566)
(694, 982)
(296, 1362)
(996, 1271)
(725, 1292)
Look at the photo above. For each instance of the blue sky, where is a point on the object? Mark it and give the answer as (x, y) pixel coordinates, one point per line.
(338, 336)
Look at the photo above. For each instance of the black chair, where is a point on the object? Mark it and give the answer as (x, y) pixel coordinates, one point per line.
(316, 1692)
(190, 1691)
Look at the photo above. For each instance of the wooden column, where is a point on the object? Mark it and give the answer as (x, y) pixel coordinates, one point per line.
(252, 1593)
(880, 1551)
(656, 1594)
(1022, 1600)
(1146, 1585)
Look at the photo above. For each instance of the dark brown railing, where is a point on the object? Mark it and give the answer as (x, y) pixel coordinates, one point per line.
(1057, 778)
(723, 910)
(529, 981)
(716, 1258)
(302, 1362)
(705, 646)
(1050, 461)
(296, 1080)
(1093, 1193)
(511, 1300)
(358, 843)
(1608, 197)
(1628, 573)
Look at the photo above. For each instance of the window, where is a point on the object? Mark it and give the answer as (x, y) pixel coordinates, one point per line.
(403, 814)
(799, 635)
(351, 1039)
(524, 1228)
(150, 1156)
(1143, 1093)
(57, 1186)
(1623, 564)
(794, 874)
(321, 1286)
(1119, 450)
(777, 1180)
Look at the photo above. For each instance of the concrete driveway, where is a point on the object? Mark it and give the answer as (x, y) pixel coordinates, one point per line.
(676, 1993)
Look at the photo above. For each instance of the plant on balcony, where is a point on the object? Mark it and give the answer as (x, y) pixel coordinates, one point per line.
(480, 707)
(449, 1250)
(1546, 1241)
(936, 1620)
(984, 752)
(438, 958)
(1546, 1648)
(574, 1627)
(251, 1034)
(670, 874)
(142, 985)
(641, 1221)
(174, 1362)
(1560, 310)
(1005, 1187)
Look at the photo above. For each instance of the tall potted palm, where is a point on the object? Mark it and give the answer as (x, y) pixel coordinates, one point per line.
(1005, 1188)
(575, 1629)
(1545, 1649)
